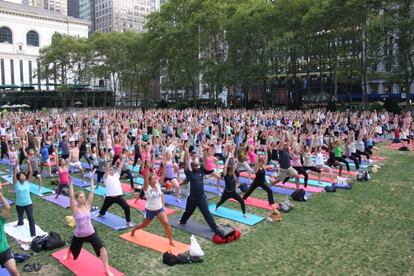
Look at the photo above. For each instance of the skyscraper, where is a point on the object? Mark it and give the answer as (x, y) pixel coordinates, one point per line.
(155, 5)
(73, 8)
(121, 15)
(87, 12)
(60, 6)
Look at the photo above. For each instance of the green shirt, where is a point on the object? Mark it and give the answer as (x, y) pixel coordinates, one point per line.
(338, 151)
(3, 239)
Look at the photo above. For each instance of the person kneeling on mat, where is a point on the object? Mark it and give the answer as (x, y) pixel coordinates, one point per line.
(114, 192)
(197, 196)
(154, 205)
(84, 231)
(229, 173)
(6, 255)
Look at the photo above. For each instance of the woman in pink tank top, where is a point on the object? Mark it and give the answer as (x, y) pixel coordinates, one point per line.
(84, 231)
(64, 177)
(210, 164)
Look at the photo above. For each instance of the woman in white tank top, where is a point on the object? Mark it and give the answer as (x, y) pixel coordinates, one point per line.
(154, 205)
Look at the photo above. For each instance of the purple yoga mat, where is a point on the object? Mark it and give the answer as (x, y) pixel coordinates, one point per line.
(62, 200)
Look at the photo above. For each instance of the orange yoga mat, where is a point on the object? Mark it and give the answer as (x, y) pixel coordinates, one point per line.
(140, 205)
(155, 242)
(85, 265)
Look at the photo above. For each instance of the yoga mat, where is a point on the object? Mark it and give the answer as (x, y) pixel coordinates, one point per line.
(85, 265)
(100, 191)
(170, 199)
(255, 202)
(310, 189)
(234, 215)
(4, 161)
(140, 205)
(4, 272)
(134, 169)
(34, 189)
(192, 227)
(110, 220)
(78, 182)
(11, 202)
(139, 180)
(212, 189)
(284, 191)
(126, 188)
(95, 176)
(22, 233)
(155, 242)
(85, 165)
(62, 200)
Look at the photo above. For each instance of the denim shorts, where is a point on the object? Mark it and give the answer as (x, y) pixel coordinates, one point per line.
(150, 214)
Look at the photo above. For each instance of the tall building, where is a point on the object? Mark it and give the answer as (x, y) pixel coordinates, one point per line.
(87, 12)
(60, 6)
(24, 30)
(73, 8)
(155, 5)
(121, 15)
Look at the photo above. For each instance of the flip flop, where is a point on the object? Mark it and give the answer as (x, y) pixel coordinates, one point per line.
(37, 266)
(28, 268)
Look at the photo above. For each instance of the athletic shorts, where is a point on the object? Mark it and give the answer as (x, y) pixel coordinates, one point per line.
(5, 256)
(284, 173)
(75, 164)
(150, 214)
(35, 174)
(45, 161)
(169, 179)
(76, 245)
(208, 172)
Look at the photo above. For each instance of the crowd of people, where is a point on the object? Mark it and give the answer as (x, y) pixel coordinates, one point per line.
(173, 148)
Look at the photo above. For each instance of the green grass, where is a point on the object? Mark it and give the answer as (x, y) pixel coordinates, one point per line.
(364, 231)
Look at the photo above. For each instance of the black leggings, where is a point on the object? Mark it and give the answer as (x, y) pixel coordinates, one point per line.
(353, 158)
(136, 157)
(255, 184)
(343, 160)
(227, 195)
(109, 200)
(364, 153)
(116, 157)
(357, 156)
(130, 177)
(302, 171)
(220, 156)
(99, 175)
(29, 213)
(83, 154)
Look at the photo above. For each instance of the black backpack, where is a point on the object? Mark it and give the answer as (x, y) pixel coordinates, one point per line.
(226, 230)
(169, 258)
(330, 189)
(403, 148)
(38, 243)
(53, 241)
(298, 195)
(243, 187)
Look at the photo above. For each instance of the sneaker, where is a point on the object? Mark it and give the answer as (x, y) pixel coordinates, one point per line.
(131, 224)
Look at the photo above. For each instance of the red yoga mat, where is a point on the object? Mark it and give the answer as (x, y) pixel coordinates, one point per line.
(86, 264)
(140, 205)
(255, 202)
(126, 188)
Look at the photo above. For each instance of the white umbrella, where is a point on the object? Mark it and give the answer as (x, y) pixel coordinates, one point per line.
(25, 105)
(78, 103)
(16, 106)
(5, 106)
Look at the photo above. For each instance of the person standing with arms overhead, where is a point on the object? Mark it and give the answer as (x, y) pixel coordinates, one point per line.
(114, 192)
(84, 231)
(197, 196)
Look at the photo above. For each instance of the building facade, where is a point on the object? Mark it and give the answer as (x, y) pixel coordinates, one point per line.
(24, 30)
(121, 15)
(60, 6)
(73, 8)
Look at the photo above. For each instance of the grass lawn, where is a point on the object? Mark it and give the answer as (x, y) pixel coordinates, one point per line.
(364, 231)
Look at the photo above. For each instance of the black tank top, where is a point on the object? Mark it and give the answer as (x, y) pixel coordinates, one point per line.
(260, 175)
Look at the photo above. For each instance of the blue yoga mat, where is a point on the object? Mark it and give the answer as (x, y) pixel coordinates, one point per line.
(212, 189)
(62, 200)
(78, 182)
(139, 180)
(234, 215)
(85, 165)
(34, 189)
(110, 220)
(7, 178)
(4, 161)
(134, 169)
(285, 191)
(4, 272)
(95, 177)
(11, 202)
(100, 191)
(170, 200)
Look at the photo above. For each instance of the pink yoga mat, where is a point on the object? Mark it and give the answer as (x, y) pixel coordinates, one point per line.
(85, 265)
(255, 202)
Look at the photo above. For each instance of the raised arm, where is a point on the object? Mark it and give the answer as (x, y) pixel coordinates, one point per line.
(89, 201)
(225, 166)
(186, 156)
(71, 197)
(6, 206)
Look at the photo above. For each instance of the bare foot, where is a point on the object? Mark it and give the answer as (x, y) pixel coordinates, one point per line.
(132, 233)
(65, 257)
(178, 200)
(109, 273)
(245, 216)
(172, 243)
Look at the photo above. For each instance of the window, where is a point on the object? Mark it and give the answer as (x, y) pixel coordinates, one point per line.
(21, 72)
(388, 67)
(374, 88)
(6, 35)
(32, 39)
(3, 77)
(374, 67)
(12, 71)
(387, 88)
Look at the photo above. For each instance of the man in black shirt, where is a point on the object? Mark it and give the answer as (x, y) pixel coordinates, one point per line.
(197, 196)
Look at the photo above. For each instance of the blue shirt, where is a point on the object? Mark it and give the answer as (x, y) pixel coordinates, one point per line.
(44, 152)
(23, 194)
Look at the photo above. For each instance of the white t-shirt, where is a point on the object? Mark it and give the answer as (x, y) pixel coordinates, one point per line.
(319, 159)
(113, 185)
(153, 197)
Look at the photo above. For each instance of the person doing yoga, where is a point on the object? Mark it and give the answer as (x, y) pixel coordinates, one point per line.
(84, 231)
(230, 174)
(154, 205)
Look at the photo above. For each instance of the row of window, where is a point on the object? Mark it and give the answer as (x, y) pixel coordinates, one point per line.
(6, 36)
